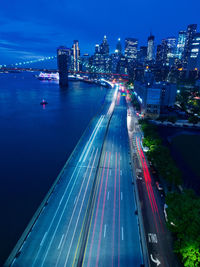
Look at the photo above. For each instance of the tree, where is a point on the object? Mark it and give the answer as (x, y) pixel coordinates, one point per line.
(183, 220)
(193, 119)
(172, 119)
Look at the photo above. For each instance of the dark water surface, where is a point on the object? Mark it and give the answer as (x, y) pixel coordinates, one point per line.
(35, 142)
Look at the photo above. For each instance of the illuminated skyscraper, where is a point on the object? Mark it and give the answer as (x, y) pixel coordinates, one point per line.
(194, 53)
(131, 45)
(181, 44)
(76, 55)
(167, 51)
(159, 54)
(142, 54)
(104, 47)
(62, 61)
(150, 48)
(119, 46)
(191, 30)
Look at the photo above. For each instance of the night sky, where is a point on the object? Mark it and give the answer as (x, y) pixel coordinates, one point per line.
(33, 29)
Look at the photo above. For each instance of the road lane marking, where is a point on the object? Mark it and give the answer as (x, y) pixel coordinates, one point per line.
(104, 233)
(83, 199)
(89, 139)
(43, 239)
(60, 241)
(156, 260)
(102, 214)
(152, 238)
(60, 218)
(119, 214)
(121, 196)
(121, 173)
(97, 193)
(114, 210)
(110, 172)
(122, 233)
(108, 195)
(91, 142)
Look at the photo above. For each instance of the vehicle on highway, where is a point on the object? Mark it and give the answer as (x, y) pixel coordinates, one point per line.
(159, 186)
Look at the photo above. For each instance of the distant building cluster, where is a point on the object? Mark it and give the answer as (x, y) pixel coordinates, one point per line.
(182, 52)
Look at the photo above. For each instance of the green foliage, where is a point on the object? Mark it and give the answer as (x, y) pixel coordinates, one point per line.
(172, 119)
(193, 119)
(183, 214)
(159, 154)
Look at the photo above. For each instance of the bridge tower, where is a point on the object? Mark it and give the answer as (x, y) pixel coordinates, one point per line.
(62, 60)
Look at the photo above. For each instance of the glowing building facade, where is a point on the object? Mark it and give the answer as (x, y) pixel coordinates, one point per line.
(181, 44)
(131, 46)
(150, 48)
(75, 56)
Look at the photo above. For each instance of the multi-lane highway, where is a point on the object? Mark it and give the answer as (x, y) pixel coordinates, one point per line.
(90, 219)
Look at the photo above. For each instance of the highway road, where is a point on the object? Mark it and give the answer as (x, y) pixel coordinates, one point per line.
(90, 219)
(158, 238)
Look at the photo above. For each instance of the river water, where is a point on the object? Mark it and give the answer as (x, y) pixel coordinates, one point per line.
(35, 142)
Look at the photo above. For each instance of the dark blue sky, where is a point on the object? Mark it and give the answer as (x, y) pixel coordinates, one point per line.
(33, 29)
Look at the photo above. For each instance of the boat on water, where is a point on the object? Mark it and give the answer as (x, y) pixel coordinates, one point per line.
(48, 76)
(44, 102)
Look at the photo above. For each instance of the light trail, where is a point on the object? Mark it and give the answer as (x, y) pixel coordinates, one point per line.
(69, 249)
(119, 215)
(86, 146)
(113, 236)
(146, 182)
(48, 248)
(52, 221)
(102, 214)
(97, 209)
(91, 142)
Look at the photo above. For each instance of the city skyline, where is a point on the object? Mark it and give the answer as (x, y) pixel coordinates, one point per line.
(35, 30)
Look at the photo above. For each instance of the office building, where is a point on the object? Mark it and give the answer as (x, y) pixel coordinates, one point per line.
(150, 48)
(131, 46)
(159, 55)
(119, 46)
(142, 54)
(194, 53)
(191, 31)
(181, 44)
(63, 54)
(167, 51)
(154, 97)
(104, 47)
(75, 56)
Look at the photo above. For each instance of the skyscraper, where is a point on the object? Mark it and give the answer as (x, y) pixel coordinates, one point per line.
(159, 54)
(150, 48)
(191, 30)
(119, 46)
(194, 53)
(62, 60)
(76, 55)
(131, 45)
(104, 47)
(168, 51)
(181, 44)
(142, 54)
